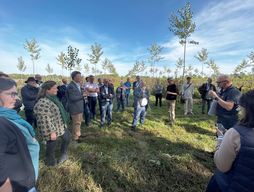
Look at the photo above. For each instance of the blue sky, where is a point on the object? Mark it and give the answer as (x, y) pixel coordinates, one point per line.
(125, 29)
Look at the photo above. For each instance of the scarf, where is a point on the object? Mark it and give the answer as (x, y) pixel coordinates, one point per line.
(54, 99)
(12, 115)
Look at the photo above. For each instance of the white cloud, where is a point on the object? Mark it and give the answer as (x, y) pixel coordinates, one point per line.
(225, 28)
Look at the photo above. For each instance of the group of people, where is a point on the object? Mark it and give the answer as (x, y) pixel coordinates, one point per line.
(46, 106)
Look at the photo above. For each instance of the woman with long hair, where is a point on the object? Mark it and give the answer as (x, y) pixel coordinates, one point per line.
(19, 150)
(234, 153)
(51, 121)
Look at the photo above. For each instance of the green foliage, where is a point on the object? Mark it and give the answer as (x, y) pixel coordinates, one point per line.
(78, 67)
(139, 67)
(49, 69)
(61, 61)
(87, 69)
(251, 57)
(241, 68)
(21, 66)
(202, 57)
(32, 48)
(71, 59)
(183, 28)
(95, 56)
(215, 68)
(154, 51)
(105, 65)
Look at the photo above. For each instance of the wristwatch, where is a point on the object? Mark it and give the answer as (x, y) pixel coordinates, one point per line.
(216, 98)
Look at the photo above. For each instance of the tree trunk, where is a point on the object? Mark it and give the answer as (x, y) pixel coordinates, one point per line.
(184, 59)
(33, 66)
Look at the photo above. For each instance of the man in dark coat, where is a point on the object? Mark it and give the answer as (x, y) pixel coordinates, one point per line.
(206, 98)
(29, 95)
(107, 94)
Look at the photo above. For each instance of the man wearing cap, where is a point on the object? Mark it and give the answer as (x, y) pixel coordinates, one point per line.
(29, 94)
(187, 94)
(170, 101)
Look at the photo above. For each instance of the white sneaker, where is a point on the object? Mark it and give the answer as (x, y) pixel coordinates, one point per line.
(192, 113)
(185, 113)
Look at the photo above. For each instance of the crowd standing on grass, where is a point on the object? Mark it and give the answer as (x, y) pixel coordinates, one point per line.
(46, 105)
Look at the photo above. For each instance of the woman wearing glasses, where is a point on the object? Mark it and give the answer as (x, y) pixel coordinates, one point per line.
(19, 150)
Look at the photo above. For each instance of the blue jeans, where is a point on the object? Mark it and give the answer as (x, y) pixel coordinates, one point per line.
(107, 108)
(32, 190)
(92, 105)
(127, 97)
(139, 112)
(119, 102)
(86, 114)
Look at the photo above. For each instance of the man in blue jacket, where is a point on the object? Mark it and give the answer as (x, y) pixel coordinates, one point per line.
(29, 95)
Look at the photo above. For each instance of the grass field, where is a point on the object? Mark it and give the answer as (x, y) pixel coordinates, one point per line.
(156, 157)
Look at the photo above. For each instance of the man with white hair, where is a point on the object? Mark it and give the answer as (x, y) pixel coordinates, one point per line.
(228, 102)
(38, 80)
(141, 102)
(107, 94)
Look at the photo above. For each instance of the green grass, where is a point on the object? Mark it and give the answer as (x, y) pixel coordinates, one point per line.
(156, 157)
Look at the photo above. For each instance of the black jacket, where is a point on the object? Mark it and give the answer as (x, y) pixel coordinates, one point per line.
(134, 85)
(59, 94)
(16, 162)
(29, 95)
(104, 96)
(204, 91)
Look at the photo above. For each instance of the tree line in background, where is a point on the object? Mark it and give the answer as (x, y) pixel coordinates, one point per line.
(181, 26)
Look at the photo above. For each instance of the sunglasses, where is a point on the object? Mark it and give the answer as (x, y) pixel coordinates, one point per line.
(12, 94)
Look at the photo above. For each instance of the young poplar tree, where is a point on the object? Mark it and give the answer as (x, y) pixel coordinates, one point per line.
(105, 65)
(95, 56)
(21, 66)
(241, 68)
(87, 69)
(33, 49)
(202, 57)
(154, 51)
(61, 61)
(71, 59)
(49, 69)
(213, 67)
(78, 67)
(183, 28)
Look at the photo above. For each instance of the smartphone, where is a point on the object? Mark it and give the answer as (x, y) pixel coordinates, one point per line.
(221, 128)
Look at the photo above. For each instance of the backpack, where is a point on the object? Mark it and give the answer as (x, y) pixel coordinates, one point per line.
(199, 89)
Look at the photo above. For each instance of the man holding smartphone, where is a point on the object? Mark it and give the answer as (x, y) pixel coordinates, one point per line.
(228, 106)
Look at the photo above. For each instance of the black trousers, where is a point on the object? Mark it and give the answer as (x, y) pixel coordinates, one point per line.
(51, 145)
(204, 101)
(30, 117)
(158, 96)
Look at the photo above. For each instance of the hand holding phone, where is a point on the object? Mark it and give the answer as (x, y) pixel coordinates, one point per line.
(221, 128)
